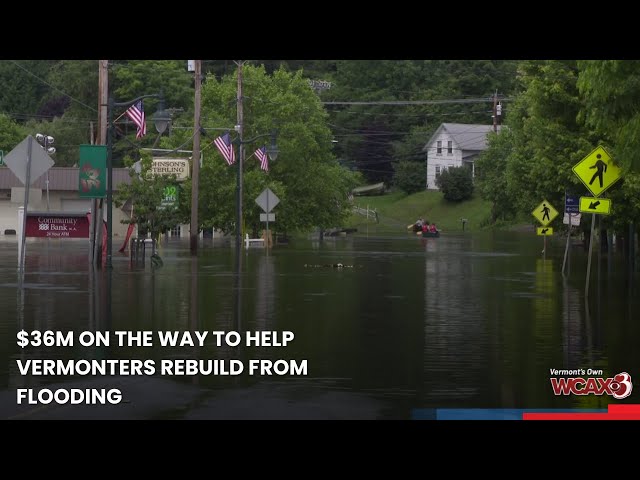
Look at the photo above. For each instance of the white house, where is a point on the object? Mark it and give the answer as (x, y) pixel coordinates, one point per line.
(454, 145)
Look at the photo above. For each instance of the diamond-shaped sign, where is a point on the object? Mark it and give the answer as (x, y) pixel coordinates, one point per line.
(267, 200)
(545, 213)
(16, 160)
(597, 171)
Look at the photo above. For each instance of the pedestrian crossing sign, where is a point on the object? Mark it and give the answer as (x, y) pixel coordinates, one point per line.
(597, 171)
(545, 213)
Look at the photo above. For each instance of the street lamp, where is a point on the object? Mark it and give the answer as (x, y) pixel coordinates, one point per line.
(272, 152)
(161, 120)
(45, 141)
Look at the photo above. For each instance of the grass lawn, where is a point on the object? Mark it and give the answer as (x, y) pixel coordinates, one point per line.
(397, 210)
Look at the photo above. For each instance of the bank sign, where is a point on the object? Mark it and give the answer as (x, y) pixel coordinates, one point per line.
(171, 166)
(57, 225)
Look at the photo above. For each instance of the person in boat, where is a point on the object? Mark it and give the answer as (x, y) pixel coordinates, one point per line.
(425, 227)
(432, 228)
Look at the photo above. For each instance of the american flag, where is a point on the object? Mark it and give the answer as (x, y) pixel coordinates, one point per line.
(261, 154)
(136, 114)
(223, 143)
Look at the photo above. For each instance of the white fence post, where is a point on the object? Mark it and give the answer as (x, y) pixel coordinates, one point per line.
(19, 231)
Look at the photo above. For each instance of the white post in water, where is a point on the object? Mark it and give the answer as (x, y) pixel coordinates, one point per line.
(20, 226)
(23, 233)
(266, 236)
(566, 248)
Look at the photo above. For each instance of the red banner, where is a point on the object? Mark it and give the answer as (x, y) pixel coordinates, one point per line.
(57, 225)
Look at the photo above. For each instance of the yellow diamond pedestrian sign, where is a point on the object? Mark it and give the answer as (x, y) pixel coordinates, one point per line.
(597, 171)
(544, 231)
(595, 205)
(545, 213)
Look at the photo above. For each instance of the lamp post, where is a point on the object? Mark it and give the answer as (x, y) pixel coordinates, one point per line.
(272, 151)
(45, 141)
(161, 120)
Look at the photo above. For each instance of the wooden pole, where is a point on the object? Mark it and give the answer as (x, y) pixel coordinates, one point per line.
(103, 87)
(240, 129)
(195, 161)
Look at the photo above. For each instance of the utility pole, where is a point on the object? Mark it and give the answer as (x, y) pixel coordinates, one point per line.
(97, 206)
(239, 129)
(495, 112)
(195, 160)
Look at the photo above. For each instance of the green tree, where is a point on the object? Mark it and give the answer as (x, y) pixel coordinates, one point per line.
(491, 175)
(11, 133)
(612, 106)
(456, 184)
(409, 176)
(372, 136)
(146, 193)
(74, 87)
(23, 89)
(144, 77)
(312, 186)
(534, 159)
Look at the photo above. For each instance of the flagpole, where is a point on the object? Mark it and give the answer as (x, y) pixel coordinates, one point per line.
(121, 115)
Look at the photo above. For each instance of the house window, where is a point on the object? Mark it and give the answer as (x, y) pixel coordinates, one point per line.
(449, 147)
(439, 150)
(175, 231)
(437, 171)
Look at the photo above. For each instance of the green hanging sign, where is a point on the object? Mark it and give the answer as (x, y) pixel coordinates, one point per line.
(92, 177)
(170, 197)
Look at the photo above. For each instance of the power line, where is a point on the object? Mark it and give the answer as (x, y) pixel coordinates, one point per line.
(417, 102)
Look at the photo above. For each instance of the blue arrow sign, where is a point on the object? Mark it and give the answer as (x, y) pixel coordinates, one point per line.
(572, 203)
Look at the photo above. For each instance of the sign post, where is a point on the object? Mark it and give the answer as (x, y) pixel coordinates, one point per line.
(36, 164)
(598, 172)
(545, 214)
(570, 208)
(267, 200)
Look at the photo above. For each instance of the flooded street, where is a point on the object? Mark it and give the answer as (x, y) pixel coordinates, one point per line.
(473, 320)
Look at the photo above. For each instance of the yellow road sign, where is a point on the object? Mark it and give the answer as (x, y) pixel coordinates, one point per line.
(597, 171)
(595, 205)
(544, 231)
(545, 213)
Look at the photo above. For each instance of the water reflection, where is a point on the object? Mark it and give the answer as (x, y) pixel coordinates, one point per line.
(470, 320)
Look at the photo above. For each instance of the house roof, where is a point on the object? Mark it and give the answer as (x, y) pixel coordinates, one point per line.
(467, 136)
(60, 178)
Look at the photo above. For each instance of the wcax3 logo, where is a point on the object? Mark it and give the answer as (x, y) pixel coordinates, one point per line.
(619, 386)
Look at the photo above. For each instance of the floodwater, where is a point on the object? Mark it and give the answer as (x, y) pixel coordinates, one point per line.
(469, 320)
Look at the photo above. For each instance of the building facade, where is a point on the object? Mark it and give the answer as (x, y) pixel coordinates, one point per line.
(454, 145)
(62, 196)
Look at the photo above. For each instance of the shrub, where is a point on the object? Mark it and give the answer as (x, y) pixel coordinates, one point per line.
(456, 184)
